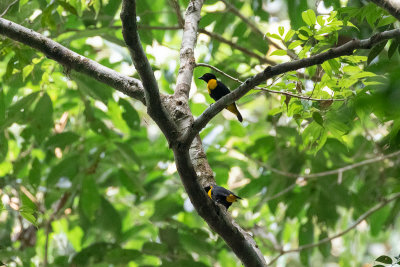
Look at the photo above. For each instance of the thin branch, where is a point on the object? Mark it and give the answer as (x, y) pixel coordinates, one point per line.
(305, 177)
(155, 108)
(330, 238)
(331, 172)
(266, 89)
(255, 29)
(7, 8)
(175, 5)
(71, 60)
(280, 193)
(221, 39)
(189, 39)
(271, 71)
(392, 6)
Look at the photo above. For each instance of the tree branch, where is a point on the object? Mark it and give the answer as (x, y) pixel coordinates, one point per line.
(271, 71)
(189, 39)
(266, 89)
(216, 217)
(71, 60)
(328, 239)
(7, 8)
(155, 108)
(190, 159)
(392, 6)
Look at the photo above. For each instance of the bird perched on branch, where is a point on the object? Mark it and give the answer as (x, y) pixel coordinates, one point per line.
(221, 195)
(217, 89)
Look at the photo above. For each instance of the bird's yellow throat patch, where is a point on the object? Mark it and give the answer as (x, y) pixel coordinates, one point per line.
(209, 192)
(211, 84)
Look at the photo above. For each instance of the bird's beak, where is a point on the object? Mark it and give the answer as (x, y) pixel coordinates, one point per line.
(201, 78)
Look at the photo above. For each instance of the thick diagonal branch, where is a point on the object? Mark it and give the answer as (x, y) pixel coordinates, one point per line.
(155, 108)
(271, 71)
(71, 60)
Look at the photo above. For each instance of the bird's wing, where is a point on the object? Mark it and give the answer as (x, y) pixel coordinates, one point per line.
(225, 90)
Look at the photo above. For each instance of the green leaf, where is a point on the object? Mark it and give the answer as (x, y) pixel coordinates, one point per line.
(274, 35)
(3, 146)
(318, 118)
(393, 47)
(35, 172)
(131, 182)
(130, 115)
(279, 53)
(386, 20)
(378, 219)
(68, 7)
(22, 3)
(165, 208)
(94, 253)
(309, 17)
(62, 140)
(29, 217)
(153, 248)
(17, 112)
(375, 51)
(324, 248)
(281, 30)
(320, 20)
(384, 259)
(89, 200)
(68, 168)
(43, 118)
(295, 44)
(289, 35)
(306, 236)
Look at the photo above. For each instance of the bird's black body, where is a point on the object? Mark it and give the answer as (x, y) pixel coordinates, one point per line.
(221, 195)
(217, 89)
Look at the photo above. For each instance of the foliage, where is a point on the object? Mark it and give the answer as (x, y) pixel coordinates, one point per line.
(85, 167)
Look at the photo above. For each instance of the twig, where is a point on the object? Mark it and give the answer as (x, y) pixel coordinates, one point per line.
(7, 8)
(175, 5)
(266, 89)
(255, 29)
(155, 108)
(304, 177)
(271, 71)
(327, 239)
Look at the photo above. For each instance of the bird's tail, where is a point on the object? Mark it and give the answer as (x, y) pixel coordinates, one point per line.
(232, 108)
(239, 116)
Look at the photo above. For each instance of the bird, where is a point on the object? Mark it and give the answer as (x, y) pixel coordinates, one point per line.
(217, 89)
(221, 195)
